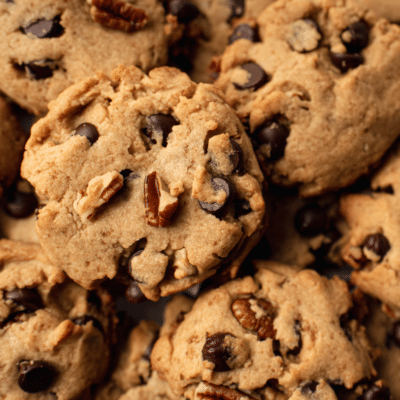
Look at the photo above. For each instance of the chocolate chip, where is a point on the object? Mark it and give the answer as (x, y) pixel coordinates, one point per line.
(309, 388)
(184, 10)
(237, 9)
(133, 293)
(244, 31)
(242, 207)
(39, 69)
(257, 77)
(44, 28)
(27, 298)
(396, 333)
(346, 61)
(295, 351)
(87, 318)
(218, 183)
(355, 37)
(236, 157)
(217, 352)
(34, 376)
(160, 125)
(375, 392)
(37, 209)
(378, 244)
(273, 134)
(310, 220)
(20, 204)
(89, 131)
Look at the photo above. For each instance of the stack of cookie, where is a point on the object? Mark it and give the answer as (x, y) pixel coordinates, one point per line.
(243, 153)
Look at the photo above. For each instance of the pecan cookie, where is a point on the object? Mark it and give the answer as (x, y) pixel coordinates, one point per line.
(54, 334)
(371, 246)
(12, 141)
(153, 174)
(264, 337)
(319, 91)
(46, 45)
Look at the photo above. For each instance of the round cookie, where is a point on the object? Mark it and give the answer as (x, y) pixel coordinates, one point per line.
(12, 141)
(372, 243)
(319, 110)
(48, 45)
(264, 337)
(55, 335)
(153, 174)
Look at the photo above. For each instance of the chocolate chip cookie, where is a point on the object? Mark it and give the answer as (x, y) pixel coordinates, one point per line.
(319, 91)
(152, 174)
(54, 334)
(264, 337)
(46, 45)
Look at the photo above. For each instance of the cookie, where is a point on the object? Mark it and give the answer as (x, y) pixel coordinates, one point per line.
(12, 141)
(55, 335)
(388, 9)
(206, 28)
(371, 247)
(264, 337)
(153, 174)
(309, 91)
(46, 46)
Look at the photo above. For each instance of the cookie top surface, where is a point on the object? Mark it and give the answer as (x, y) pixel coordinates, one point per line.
(371, 245)
(279, 329)
(388, 9)
(46, 45)
(153, 163)
(309, 91)
(54, 334)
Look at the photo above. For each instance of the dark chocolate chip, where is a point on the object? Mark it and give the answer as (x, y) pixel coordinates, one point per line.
(275, 135)
(184, 10)
(217, 352)
(309, 388)
(44, 28)
(244, 31)
(396, 333)
(296, 350)
(27, 298)
(376, 393)
(160, 125)
(236, 157)
(20, 204)
(34, 376)
(257, 77)
(378, 244)
(355, 37)
(310, 220)
(133, 293)
(346, 61)
(89, 131)
(39, 69)
(38, 208)
(237, 9)
(218, 183)
(87, 318)
(276, 348)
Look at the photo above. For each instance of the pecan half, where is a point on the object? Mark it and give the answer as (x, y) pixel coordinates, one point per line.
(256, 315)
(208, 391)
(159, 204)
(118, 15)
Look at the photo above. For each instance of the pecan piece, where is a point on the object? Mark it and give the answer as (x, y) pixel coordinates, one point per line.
(159, 204)
(208, 391)
(256, 315)
(118, 15)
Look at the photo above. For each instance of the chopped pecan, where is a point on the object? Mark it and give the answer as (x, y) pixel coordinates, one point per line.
(208, 391)
(256, 315)
(118, 15)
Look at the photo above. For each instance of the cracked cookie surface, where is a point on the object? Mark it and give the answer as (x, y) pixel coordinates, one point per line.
(153, 174)
(48, 45)
(309, 91)
(54, 335)
(269, 335)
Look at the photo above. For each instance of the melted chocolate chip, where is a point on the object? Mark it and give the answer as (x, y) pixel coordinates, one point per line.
(39, 69)
(257, 77)
(396, 333)
(237, 9)
(378, 244)
(217, 352)
(244, 31)
(346, 61)
(376, 393)
(20, 204)
(310, 220)
(87, 318)
(44, 28)
(309, 388)
(355, 37)
(218, 183)
(160, 125)
(236, 157)
(184, 10)
(34, 376)
(133, 293)
(27, 298)
(89, 131)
